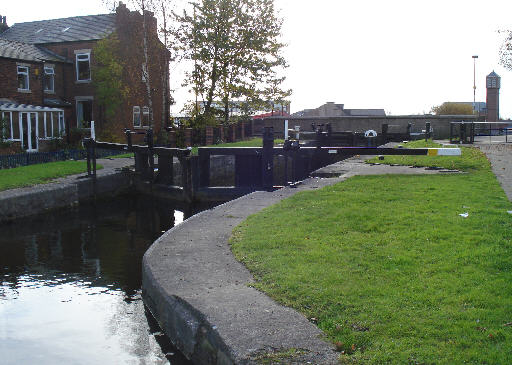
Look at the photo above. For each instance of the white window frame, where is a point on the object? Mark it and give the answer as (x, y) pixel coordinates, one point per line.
(145, 114)
(62, 127)
(26, 74)
(82, 99)
(29, 115)
(87, 59)
(49, 71)
(50, 132)
(9, 126)
(137, 115)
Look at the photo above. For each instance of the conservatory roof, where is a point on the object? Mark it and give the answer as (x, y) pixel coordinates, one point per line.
(13, 107)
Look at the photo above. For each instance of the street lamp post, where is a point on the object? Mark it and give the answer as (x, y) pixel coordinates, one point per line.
(474, 81)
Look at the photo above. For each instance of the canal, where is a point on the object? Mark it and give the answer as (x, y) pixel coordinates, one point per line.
(70, 290)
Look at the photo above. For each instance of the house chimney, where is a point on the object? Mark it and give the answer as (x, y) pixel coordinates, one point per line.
(3, 23)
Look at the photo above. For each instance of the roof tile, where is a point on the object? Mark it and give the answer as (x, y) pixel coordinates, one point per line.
(80, 28)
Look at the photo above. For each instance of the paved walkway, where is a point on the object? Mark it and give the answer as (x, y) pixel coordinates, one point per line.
(500, 156)
(203, 298)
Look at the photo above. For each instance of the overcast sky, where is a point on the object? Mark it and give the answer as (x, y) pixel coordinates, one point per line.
(400, 55)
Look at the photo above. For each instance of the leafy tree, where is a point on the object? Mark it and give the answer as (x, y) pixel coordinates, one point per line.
(506, 51)
(274, 93)
(161, 9)
(452, 109)
(108, 75)
(235, 48)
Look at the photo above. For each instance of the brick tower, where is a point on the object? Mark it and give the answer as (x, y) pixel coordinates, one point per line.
(493, 97)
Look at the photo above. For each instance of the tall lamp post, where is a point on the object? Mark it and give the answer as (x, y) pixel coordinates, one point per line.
(474, 81)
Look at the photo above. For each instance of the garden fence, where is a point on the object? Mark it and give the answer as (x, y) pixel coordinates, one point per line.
(32, 158)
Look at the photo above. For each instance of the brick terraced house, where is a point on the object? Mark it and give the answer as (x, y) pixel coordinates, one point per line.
(47, 73)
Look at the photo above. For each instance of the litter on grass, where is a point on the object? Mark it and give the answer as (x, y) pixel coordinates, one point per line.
(464, 215)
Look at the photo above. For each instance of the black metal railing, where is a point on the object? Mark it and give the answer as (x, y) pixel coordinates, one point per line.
(32, 158)
(467, 132)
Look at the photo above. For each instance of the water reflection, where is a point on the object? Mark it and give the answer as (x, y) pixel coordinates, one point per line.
(70, 285)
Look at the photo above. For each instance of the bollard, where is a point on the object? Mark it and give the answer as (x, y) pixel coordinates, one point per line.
(267, 160)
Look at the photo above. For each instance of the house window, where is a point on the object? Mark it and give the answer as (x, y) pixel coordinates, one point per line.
(83, 67)
(8, 130)
(23, 81)
(54, 124)
(49, 79)
(145, 116)
(136, 116)
(84, 113)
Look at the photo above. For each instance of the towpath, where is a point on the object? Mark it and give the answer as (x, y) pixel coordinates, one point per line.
(500, 156)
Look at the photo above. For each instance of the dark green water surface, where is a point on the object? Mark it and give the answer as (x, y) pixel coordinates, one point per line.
(70, 290)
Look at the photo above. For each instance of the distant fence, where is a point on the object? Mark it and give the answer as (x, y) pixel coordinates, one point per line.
(32, 158)
(209, 135)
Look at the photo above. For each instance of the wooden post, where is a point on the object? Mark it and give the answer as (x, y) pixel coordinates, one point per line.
(128, 138)
(165, 170)
(89, 156)
(188, 137)
(242, 130)
(186, 178)
(204, 168)
(267, 164)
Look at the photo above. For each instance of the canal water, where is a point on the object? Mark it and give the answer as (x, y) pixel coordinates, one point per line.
(70, 290)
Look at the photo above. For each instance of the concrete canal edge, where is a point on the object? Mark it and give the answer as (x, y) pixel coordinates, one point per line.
(64, 192)
(202, 297)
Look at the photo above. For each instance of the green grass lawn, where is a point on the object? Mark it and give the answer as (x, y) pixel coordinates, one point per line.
(388, 269)
(253, 142)
(39, 174)
(123, 155)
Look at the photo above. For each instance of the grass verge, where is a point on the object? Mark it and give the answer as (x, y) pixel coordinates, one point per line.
(388, 269)
(40, 173)
(253, 142)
